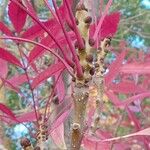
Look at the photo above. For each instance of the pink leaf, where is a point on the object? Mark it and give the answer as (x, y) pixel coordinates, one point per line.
(18, 80)
(136, 68)
(27, 117)
(36, 29)
(114, 68)
(126, 87)
(63, 111)
(7, 111)
(47, 73)
(134, 98)
(4, 29)
(6, 55)
(145, 132)
(17, 16)
(4, 68)
(110, 25)
(58, 136)
(97, 30)
(60, 88)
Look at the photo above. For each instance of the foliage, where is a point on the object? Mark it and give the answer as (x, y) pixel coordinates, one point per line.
(61, 67)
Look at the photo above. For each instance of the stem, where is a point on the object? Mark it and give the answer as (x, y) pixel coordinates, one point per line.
(32, 94)
(46, 29)
(80, 98)
(79, 38)
(45, 47)
(78, 66)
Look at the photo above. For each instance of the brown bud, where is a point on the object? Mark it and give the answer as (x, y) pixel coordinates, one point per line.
(99, 49)
(106, 51)
(88, 19)
(76, 44)
(102, 60)
(73, 79)
(89, 58)
(81, 7)
(82, 48)
(96, 65)
(77, 22)
(25, 142)
(92, 71)
(37, 148)
(91, 42)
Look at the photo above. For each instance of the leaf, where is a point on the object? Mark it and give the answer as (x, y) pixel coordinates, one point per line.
(7, 111)
(63, 110)
(17, 16)
(18, 80)
(27, 117)
(98, 28)
(136, 68)
(4, 29)
(37, 50)
(58, 136)
(47, 73)
(126, 87)
(93, 142)
(110, 25)
(145, 132)
(114, 68)
(60, 88)
(4, 68)
(6, 55)
(36, 30)
(134, 98)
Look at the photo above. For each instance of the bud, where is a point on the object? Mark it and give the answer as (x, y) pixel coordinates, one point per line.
(88, 19)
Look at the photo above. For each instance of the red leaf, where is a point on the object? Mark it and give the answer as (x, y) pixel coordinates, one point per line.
(58, 136)
(114, 68)
(47, 73)
(4, 29)
(6, 55)
(98, 28)
(7, 111)
(17, 16)
(134, 98)
(27, 117)
(36, 30)
(60, 88)
(145, 132)
(18, 80)
(109, 26)
(4, 68)
(126, 87)
(37, 50)
(136, 68)
(63, 110)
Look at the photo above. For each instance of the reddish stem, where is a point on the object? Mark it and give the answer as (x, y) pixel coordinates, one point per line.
(43, 46)
(79, 38)
(78, 66)
(46, 29)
